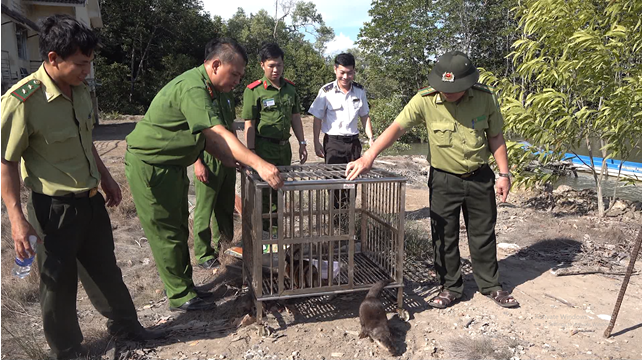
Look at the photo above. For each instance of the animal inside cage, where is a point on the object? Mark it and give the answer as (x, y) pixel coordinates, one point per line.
(322, 234)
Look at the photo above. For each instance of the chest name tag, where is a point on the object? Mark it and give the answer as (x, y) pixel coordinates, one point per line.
(268, 102)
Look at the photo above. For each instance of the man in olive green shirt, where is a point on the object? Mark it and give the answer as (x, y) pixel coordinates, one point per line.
(183, 120)
(46, 125)
(271, 107)
(464, 128)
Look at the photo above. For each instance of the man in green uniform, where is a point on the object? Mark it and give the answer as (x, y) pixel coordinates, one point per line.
(183, 120)
(47, 123)
(271, 107)
(215, 196)
(464, 128)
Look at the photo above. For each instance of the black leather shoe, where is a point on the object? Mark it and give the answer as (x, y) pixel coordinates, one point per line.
(210, 264)
(141, 335)
(76, 352)
(204, 294)
(195, 304)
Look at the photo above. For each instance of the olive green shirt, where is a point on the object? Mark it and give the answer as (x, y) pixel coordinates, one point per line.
(52, 135)
(169, 134)
(457, 132)
(271, 108)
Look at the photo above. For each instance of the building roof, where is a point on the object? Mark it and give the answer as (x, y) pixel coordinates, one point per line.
(21, 19)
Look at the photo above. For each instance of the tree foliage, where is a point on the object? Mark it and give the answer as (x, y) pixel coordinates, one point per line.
(577, 79)
(146, 43)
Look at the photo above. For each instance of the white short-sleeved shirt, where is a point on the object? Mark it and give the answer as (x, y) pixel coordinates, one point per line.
(340, 111)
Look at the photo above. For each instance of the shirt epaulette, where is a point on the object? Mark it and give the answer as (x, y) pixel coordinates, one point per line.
(289, 81)
(483, 87)
(26, 90)
(255, 84)
(328, 87)
(427, 91)
(357, 85)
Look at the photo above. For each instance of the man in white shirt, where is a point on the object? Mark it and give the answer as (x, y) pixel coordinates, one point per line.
(336, 110)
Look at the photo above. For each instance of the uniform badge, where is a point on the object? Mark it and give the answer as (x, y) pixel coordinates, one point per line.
(268, 102)
(448, 76)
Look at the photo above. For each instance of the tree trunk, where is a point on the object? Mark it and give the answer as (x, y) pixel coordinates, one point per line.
(598, 184)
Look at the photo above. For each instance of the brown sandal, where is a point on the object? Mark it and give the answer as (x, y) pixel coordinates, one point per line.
(503, 298)
(444, 299)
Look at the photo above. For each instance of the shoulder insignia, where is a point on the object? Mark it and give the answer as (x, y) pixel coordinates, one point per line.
(26, 90)
(289, 81)
(427, 91)
(357, 85)
(255, 84)
(483, 87)
(328, 87)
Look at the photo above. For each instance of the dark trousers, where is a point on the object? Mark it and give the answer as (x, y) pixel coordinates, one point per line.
(475, 196)
(78, 242)
(341, 150)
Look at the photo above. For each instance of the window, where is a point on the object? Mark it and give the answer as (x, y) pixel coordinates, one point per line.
(21, 40)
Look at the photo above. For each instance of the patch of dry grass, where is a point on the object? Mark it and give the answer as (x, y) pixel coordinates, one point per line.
(19, 297)
(480, 348)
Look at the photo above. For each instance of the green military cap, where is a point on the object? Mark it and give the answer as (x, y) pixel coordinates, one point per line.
(453, 72)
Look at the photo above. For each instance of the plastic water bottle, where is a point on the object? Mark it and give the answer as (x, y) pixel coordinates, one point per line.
(23, 267)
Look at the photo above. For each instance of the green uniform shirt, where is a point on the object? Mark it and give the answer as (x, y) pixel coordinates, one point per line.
(52, 135)
(271, 108)
(457, 132)
(227, 108)
(169, 134)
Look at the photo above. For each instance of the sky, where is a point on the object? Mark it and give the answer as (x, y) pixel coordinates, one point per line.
(344, 16)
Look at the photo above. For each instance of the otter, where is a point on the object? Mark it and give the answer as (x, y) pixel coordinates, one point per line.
(298, 263)
(374, 323)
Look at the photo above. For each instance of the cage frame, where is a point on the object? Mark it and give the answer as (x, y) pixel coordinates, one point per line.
(321, 178)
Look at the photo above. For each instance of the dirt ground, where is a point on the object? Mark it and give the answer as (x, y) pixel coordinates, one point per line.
(540, 238)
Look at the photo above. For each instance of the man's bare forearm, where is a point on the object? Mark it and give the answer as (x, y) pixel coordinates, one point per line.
(297, 127)
(102, 169)
(222, 144)
(497, 146)
(367, 126)
(316, 128)
(249, 134)
(11, 191)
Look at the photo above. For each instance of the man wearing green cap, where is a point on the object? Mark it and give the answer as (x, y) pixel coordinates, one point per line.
(464, 128)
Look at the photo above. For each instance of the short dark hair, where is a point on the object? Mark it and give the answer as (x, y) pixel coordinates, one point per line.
(226, 49)
(65, 35)
(345, 59)
(270, 51)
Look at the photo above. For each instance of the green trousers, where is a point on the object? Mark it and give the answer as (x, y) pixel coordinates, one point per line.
(160, 196)
(279, 155)
(475, 196)
(77, 242)
(215, 204)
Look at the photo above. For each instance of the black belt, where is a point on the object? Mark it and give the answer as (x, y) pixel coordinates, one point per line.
(466, 175)
(344, 138)
(275, 141)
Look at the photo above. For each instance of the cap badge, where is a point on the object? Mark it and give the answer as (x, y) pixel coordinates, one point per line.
(448, 76)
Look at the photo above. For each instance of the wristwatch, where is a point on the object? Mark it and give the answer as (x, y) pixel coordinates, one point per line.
(507, 175)
(303, 142)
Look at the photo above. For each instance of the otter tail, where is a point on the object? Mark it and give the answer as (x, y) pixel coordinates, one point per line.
(375, 290)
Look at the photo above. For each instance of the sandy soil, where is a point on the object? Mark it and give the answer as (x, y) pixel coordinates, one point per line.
(561, 317)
